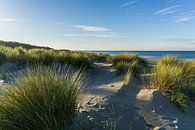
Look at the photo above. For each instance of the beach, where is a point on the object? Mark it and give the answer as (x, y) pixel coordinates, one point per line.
(117, 92)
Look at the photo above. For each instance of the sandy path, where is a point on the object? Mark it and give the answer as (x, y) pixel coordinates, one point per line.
(158, 111)
(111, 104)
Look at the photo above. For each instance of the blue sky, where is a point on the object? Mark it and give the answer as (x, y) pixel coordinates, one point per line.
(100, 24)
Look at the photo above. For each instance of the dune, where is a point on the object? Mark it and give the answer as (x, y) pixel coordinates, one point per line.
(110, 104)
(133, 107)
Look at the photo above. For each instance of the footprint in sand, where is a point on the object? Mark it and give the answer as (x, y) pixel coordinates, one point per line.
(169, 122)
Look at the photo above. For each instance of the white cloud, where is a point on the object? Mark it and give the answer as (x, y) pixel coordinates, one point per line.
(168, 10)
(7, 19)
(91, 28)
(179, 40)
(131, 2)
(183, 18)
(61, 23)
(105, 35)
(94, 31)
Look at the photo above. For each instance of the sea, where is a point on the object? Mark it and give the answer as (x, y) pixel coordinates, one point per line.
(155, 55)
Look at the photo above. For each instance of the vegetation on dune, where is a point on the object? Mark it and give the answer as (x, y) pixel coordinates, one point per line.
(175, 79)
(18, 44)
(127, 57)
(44, 98)
(98, 57)
(130, 65)
(133, 67)
(169, 60)
(23, 56)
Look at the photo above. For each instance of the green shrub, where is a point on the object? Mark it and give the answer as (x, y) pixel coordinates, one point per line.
(42, 99)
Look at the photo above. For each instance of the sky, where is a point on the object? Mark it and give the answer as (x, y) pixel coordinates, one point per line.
(100, 24)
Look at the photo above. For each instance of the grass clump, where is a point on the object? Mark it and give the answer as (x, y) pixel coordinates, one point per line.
(98, 57)
(129, 63)
(45, 98)
(124, 57)
(174, 78)
(169, 60)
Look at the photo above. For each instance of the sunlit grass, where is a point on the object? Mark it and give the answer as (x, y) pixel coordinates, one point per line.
(129, 65)
(23, 57)
(126, 61)
(124, 57)
(174, 78)
(45, 98)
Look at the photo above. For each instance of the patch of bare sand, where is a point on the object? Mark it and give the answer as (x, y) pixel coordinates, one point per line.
(159, 112)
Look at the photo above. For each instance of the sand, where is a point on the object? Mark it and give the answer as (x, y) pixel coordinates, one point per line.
(110, 105)
(133, 107)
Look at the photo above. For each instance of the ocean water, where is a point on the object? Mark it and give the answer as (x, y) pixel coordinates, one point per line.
(184, 55)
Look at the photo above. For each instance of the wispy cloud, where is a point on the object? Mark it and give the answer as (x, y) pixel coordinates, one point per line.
(170, 1)
(131, 2)
(61, 23)
(7, 19)
(91, 28)
(168, 10)
(107, 35)
(183, 17)
(179, 40)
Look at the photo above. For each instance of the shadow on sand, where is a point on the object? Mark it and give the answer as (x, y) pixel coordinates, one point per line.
(119, 111)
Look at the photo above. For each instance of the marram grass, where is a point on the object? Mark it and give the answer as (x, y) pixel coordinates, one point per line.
(124, 57)
(129, 64)
(22, 57)
(175, 78)
(45, 98)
